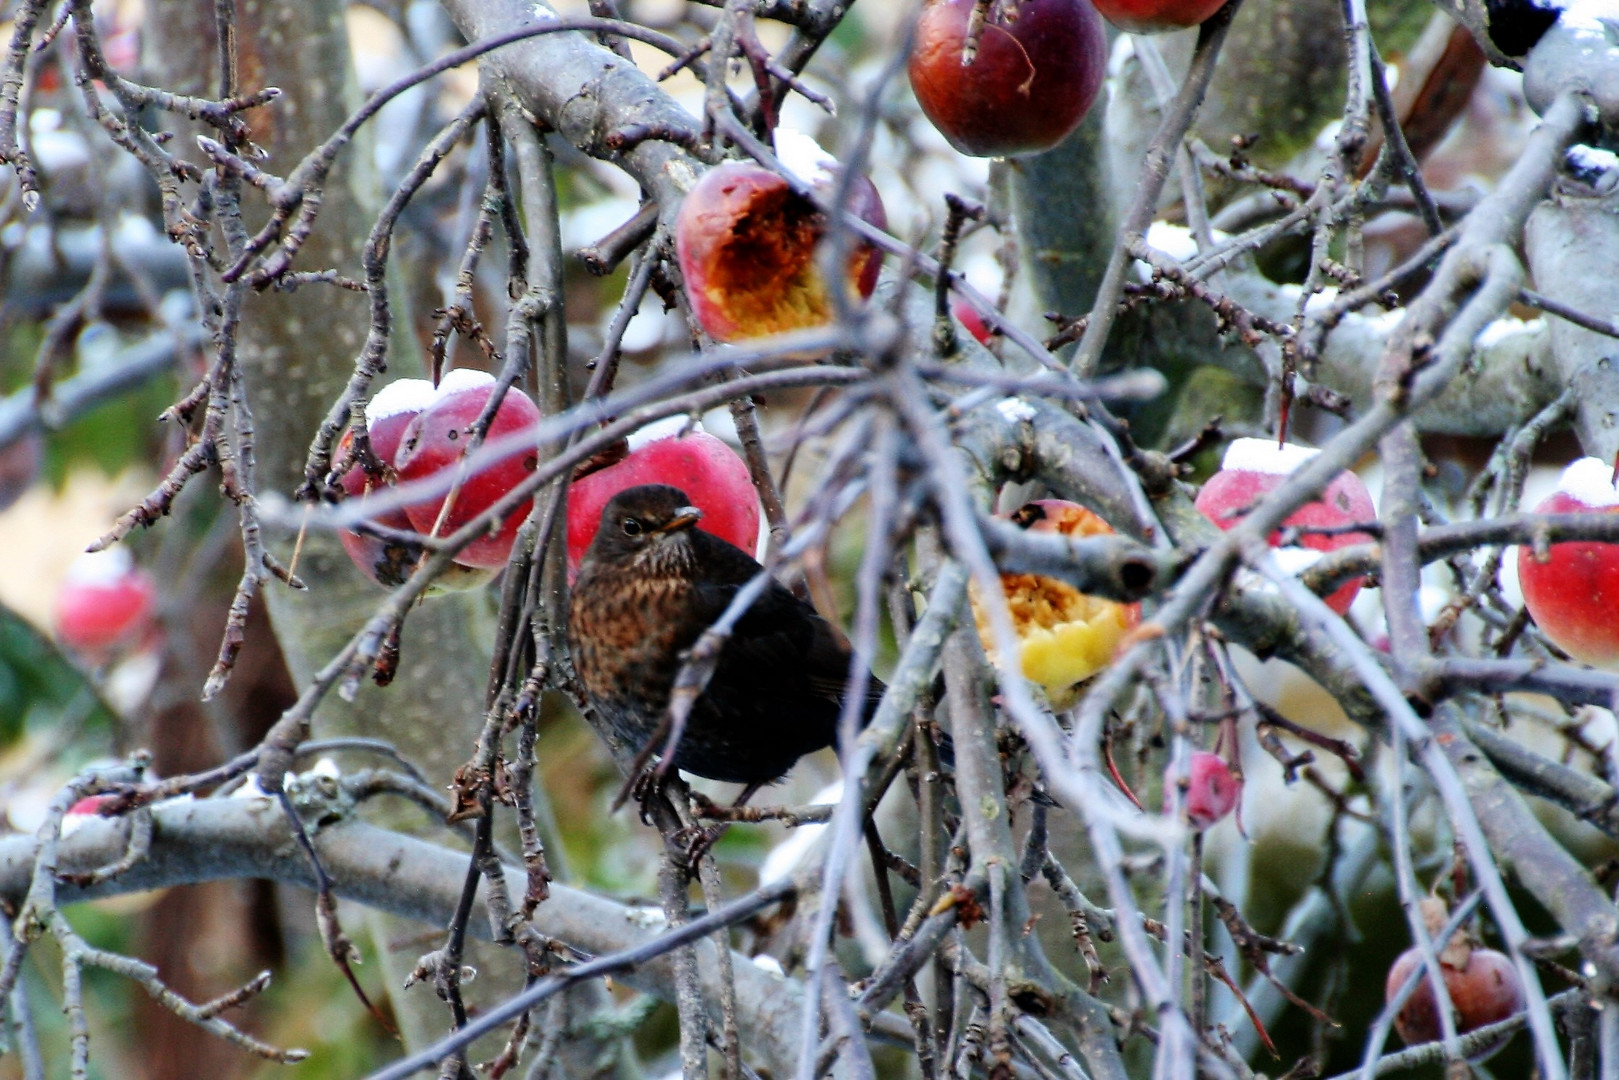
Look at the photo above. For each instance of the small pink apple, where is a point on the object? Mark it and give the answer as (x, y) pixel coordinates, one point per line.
(971, 321)
(1255, 467)
(1574, 593)
(1212, 791)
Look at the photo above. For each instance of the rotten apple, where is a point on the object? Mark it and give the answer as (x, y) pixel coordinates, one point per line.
(1034, 75)
(1573, 592)
(1064, 636)
(747, 243)
(681, 454)
(433, 444)
(1157, 16)
(1483, 986)
(1255, 467)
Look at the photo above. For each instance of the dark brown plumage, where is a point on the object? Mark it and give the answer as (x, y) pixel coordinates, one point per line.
(650, 584)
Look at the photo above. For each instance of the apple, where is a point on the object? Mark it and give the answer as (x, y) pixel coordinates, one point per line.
(1254, 467)
(433, 442)
(697, 463)
(746, 244)
(1064, 635)
(105, 603)
(1037, 70)
(1156, 16)
(1212, 790)
(1573, 593)
(1483, 986)
(387, 415)
(971, 321)
(390, 562)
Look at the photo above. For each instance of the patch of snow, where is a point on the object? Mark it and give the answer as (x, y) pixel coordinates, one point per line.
(1501, 329)
(804, 157)
(667, 428)
(461, 379)
(1015, 411)
(1265, 456)
(1590, 480)
(107, 567)
(399, 396)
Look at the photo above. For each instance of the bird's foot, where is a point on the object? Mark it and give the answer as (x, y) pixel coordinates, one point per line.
(697, 840)
(647, 788)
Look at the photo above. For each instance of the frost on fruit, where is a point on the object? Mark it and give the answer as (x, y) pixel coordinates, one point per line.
(1589, 481)
(400, 397)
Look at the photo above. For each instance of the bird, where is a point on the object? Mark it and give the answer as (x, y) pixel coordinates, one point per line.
(649, 585)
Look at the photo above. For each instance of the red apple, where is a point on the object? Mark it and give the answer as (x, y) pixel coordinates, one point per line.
(1038, 67)
(747, 244)
(105, 602)
(388, 414)
(710, 472)
(1156, 16)
(1574, 594)
(85, 810)
(390, 562)
(1211, 793)
(971, 321)
(1483, 986)
(433, 442)
(1255, 467)
(1064, 636)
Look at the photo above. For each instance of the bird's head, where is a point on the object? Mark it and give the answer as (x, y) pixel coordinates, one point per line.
(652, 521)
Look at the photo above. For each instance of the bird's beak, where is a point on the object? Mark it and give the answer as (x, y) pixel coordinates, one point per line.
(685, 516)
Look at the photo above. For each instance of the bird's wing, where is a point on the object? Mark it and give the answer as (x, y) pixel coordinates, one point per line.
(781, 639)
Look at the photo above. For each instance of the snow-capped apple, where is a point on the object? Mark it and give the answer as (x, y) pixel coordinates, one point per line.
(432, 444)
(1064, 635)
(747, 246)
(1573, 593)
(1038, 66)
(680, 453)
(389, 562)
(1211, 789)
(1483, 986)
(387, 415)
(1254, 467)
(104, 603)
(1157, 16)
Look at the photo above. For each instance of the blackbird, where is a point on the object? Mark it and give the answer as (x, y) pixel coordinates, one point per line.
(649, 585)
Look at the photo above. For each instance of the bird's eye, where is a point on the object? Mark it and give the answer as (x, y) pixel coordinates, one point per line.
(631, 527)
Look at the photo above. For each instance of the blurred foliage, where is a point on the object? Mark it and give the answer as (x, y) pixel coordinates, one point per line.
(40, 688)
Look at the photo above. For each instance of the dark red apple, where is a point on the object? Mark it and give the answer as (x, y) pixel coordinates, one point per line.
(1211, 793)
(1255, 467)
(105, 603)
(1574, 594)
(1157, 16)
(1483, 986)
(433, 443)
(1038, 67)
(706, 469)
(747, 245)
